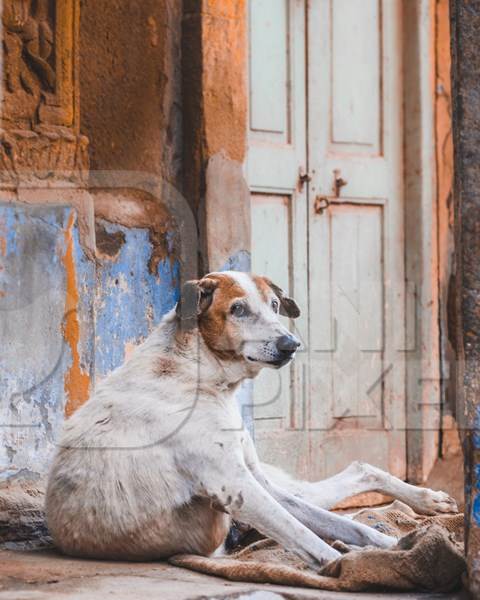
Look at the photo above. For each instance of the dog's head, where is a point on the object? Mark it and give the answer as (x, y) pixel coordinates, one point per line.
(238, 317)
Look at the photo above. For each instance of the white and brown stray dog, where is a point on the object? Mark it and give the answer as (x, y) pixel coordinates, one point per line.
(154, 464)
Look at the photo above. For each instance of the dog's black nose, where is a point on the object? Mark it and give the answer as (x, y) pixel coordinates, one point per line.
(287, 344)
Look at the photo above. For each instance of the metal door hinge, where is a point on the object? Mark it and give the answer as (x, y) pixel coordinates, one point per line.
(303, 178)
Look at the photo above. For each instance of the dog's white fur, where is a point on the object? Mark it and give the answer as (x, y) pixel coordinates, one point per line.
(157, 463)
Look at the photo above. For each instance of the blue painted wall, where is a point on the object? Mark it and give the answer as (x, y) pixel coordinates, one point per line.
(117, 302)
(34, 357)
(130, 300)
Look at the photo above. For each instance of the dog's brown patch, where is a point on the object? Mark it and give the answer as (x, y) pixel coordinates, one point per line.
(164, 367)
(214, 325)
(288, 306)
(263, 287)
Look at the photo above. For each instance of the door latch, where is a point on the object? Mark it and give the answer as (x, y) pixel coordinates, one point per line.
(320, 204)
(338, 183)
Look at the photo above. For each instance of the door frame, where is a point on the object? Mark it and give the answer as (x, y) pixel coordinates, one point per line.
(212, 58)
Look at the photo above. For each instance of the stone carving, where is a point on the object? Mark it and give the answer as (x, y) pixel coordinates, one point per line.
(28, 47)
(46, 154)
(39, 139)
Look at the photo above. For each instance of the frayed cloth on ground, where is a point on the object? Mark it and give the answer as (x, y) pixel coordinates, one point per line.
(428, 557)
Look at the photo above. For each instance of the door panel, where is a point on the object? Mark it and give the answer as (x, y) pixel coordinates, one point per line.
(358, 309)
(277, 131)
(347, 315)
(355, 73)
(269, 106)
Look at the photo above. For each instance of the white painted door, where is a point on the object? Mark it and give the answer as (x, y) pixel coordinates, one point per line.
(339, 247)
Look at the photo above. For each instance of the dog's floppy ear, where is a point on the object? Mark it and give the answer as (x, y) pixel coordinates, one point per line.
(195, 299)
(288, 306)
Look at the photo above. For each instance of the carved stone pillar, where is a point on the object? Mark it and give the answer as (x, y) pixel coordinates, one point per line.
(40, 140)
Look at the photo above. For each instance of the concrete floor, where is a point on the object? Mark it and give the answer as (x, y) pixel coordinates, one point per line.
(46, 575)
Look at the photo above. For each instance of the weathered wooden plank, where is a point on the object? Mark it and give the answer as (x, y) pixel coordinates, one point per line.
(465, 25)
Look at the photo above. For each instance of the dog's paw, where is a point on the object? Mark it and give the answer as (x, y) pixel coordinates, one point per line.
(430, 502)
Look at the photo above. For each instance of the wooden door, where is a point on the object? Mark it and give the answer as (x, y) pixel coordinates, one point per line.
(336, 243)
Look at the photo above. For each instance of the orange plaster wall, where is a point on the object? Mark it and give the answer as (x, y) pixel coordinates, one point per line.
(444, 167)
(443, 101)
(225, 95)
(444, 144)
(214, 86)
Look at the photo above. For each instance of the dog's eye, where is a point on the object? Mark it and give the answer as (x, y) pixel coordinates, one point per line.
(275, 305)
(239, 310)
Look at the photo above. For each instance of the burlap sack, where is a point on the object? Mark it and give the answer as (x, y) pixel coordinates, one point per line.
(428, 557)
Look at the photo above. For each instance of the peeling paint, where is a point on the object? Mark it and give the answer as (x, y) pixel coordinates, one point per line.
(31, 312)
(135, 209)
(240, 261)
(108, 245)
(64, 319)
(77, 381)
(130, 300)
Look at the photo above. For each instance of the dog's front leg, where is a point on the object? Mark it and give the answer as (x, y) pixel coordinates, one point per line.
(323, 522)
(333, 526)
(235, 490)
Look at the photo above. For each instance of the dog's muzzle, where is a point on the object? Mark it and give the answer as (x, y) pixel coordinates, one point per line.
(286, 347)
(277, 353)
